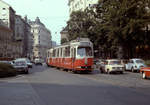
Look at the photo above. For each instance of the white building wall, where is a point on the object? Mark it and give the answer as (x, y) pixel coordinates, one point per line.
(4, 13)
(76, 5)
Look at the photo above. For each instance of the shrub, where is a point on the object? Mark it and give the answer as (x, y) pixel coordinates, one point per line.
(7, 70)
(147, 62)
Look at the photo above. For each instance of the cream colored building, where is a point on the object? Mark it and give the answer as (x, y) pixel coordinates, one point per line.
(7, 15)
(41, 39)
(76, 5)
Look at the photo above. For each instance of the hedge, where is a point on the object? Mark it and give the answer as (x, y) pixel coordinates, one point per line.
(147, 62)
(7, 70)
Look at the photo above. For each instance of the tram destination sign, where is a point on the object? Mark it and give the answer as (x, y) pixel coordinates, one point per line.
(85, 43)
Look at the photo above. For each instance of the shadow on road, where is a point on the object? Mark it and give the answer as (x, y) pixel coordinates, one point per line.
(64, 94)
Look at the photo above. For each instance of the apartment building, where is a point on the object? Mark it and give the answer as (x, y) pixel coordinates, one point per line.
(5, 41)
(7, 15)
(41, 39)
(20, 34)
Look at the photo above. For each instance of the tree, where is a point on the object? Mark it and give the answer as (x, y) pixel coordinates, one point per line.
(64, 40)
(124, 20)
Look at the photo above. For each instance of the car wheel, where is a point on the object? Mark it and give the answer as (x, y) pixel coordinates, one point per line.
(108, 72)
(74, 71)
(132, 69)
(144, 75)
(121, 72)
(101, 70)
(27, 72)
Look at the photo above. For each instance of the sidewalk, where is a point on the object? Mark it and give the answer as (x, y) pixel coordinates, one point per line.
(17, 91)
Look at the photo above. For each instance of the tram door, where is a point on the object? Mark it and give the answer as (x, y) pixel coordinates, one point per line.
(73, 56)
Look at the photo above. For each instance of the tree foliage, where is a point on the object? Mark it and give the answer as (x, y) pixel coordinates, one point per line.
(113, 24)
(64, 40)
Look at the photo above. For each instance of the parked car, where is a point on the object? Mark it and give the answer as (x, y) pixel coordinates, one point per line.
(145, 72)
(21, 65)
(8, 62)
(135, 64)
(112, 65)
(101, 64)
(27, 61)
(38, 61)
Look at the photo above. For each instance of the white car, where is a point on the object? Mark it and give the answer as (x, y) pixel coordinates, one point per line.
(21, 65)
(27, 61)
(135, 64)
(38, 61)
(113, 65)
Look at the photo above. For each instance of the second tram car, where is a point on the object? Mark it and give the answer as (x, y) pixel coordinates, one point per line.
(77, 55)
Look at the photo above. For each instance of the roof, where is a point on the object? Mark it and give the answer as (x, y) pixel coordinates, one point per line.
(136, 59)
(5, 3)
(112, 59)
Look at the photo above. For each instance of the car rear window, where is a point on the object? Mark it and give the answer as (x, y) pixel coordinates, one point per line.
(114, 62)
(20, 63)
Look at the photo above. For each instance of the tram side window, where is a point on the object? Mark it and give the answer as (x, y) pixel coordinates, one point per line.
(74, 52)
(57, 52)
(67, 52)
(61, 52)
(54, 51)
(71, 52)
(48, 54)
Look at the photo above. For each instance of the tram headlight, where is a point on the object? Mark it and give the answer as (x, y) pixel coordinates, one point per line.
(79, 67)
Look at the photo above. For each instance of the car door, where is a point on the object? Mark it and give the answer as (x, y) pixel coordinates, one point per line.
(130, 64)
(127, 66)
(105, 66)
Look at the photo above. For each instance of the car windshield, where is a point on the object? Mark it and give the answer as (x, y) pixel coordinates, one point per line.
(28, 61)
(20, 63)
(84, 51)
(139, 61)
(115, 62)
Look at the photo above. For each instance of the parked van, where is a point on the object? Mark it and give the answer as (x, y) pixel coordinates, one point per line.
(38, 61)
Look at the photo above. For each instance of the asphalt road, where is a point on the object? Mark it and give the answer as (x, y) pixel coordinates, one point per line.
(50, 86)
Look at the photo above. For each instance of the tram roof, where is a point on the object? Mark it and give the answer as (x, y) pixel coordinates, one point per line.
(73, 42)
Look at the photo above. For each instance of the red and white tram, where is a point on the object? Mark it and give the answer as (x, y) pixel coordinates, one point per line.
(76, 56)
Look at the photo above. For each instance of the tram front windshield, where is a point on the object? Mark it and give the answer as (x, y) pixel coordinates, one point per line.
(84, 51)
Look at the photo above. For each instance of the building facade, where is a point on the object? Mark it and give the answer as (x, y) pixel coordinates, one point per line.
(76, 5)
(41, 39)
(28, 39)
(7, 16)
(6, 45)
(19, 35)
(23, 37)
(64, 34)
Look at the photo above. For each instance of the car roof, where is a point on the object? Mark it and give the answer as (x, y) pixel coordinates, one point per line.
(20, 60)
(136, 59)
(112, 59)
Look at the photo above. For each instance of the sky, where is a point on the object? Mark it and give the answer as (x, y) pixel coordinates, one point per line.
(53, 13)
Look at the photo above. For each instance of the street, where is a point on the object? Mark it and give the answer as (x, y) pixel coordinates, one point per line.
(50, 86)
